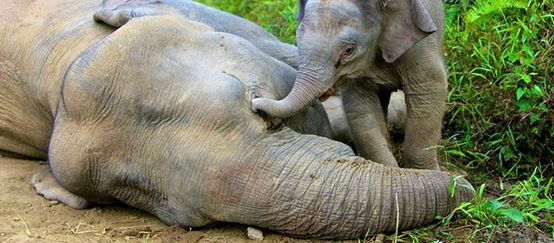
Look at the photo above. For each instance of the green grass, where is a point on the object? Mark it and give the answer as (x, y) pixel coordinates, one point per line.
(278, 17)
(499, 126)
(501, 88)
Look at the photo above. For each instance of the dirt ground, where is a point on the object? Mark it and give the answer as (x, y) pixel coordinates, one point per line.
(27, 217)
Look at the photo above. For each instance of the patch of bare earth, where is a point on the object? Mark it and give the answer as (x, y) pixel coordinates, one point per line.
(518, 234)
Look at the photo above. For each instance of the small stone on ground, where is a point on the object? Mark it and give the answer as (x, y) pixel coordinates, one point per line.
(254, 234)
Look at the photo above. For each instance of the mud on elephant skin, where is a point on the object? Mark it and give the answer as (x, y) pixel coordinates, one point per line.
(157, 115)
(378, 46)
(118, 12)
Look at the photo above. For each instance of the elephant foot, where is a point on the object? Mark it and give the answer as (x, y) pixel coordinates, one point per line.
(119, 13)
(46, 185)
(117, 18)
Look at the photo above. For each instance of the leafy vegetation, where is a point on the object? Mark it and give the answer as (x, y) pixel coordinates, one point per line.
(500, 123)
(502, 95)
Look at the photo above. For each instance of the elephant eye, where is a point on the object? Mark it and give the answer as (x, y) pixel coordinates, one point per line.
(347, 51)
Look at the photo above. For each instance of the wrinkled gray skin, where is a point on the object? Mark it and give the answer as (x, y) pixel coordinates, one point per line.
(157, 115)
(379, 46)
(118, 12)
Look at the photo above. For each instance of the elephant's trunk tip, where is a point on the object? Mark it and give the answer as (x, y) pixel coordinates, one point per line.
(463, 191)
(260, 104)
(274, 108)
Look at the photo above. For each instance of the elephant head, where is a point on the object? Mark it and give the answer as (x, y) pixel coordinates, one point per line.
(343, 39)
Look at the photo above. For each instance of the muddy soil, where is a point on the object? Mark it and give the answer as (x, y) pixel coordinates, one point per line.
(27, 217)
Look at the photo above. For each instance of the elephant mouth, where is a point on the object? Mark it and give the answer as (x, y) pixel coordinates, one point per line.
(330, 92)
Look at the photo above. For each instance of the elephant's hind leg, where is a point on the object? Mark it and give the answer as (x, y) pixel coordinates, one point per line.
(46, 185)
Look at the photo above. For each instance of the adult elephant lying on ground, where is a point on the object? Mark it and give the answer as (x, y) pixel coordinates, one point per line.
(157, 115)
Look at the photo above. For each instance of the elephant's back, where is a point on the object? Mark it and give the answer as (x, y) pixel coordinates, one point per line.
(39, 41)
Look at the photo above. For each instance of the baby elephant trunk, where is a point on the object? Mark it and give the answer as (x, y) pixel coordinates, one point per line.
(309, 85)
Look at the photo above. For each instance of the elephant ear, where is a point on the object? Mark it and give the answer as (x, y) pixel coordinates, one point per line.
(405, 22)
(301, 10)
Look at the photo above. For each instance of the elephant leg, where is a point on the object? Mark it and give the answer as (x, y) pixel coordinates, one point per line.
(426, 92)
(46, 185)
(365, 115)
(397, 113)
(119, 15)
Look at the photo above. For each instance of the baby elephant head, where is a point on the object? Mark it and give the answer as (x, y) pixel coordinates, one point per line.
(342, 39)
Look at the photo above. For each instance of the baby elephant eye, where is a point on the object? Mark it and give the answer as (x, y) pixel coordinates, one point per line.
(347, 51)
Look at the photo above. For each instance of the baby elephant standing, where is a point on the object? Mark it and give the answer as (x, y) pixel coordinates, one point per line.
(380, 46)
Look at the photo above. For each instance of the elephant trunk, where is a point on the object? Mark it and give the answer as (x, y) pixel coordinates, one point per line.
(313, 187)
(310, 84)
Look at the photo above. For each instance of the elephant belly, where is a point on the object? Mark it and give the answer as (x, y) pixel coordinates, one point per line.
(24, 125)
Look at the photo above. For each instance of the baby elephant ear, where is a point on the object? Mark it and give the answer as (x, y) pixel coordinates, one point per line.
(405, 22)
(301, 9)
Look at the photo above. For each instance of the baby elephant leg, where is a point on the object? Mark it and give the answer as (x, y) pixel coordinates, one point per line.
(366, 119)
(46, 185)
